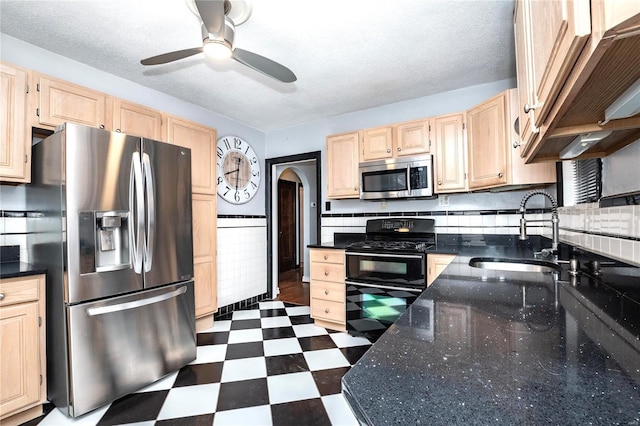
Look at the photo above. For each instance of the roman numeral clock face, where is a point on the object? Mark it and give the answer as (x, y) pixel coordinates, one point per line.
(238, 170)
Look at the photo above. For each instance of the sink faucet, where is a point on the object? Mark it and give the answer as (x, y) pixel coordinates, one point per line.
(554, 217)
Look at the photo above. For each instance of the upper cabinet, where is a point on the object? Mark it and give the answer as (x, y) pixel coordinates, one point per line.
(487, 143)
(134, 119)
(342, 166)
(412, 138)
(376, 143)
(15, 142)
(59, 101)
(402, 139)
(202, 142)
(574, 60)
(450, 162)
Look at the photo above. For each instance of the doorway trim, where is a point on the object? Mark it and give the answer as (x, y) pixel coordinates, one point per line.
(270, 180)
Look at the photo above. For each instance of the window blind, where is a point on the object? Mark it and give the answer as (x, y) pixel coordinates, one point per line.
(583, 182)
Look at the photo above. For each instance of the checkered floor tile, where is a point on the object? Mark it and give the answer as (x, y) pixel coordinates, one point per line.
(267, 365)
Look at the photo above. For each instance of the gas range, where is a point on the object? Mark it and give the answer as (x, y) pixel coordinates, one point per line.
(397, 236)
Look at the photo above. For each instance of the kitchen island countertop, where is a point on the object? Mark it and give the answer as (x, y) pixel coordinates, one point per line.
(484, 346)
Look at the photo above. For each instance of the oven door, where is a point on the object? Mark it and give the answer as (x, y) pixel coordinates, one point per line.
(372, 308)
(405, 270)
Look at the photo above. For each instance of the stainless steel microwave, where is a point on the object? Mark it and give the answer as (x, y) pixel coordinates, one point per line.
(397, 178)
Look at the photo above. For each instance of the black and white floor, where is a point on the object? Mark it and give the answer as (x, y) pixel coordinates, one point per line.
(265, 365)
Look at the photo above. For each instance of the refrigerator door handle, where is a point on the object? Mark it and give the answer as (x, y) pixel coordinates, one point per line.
(136, 209)
(92, 312)
(150, 211)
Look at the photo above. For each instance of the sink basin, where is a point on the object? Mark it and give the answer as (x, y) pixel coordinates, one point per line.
(515, 265)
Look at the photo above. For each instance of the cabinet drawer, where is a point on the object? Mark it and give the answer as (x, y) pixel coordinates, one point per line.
(327, 272)
(328, 291)
(328, 310)
(327, 256)
(18, 290)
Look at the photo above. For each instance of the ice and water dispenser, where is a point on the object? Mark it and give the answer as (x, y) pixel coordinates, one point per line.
(104, 241)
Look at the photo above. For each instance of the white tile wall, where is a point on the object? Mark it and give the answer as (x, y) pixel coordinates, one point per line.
(574, 221)
(242, 264)
(582, 224)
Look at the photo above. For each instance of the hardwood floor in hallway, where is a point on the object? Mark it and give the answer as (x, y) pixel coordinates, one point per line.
(292, 289)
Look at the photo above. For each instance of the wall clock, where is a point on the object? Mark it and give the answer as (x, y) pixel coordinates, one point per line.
(238, 170)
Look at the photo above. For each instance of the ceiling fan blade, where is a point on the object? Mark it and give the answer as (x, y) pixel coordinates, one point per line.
(212, 14)
(264, 65)
(171, 56)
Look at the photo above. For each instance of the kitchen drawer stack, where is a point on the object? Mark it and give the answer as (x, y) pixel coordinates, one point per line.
(22, 351)
(327, 288)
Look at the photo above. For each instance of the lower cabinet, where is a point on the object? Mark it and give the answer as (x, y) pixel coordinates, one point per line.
(22, 349)
(327, 288)
(204, 254)
(436, 263)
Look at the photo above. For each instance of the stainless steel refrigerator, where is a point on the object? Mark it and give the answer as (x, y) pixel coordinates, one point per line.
(112, 223)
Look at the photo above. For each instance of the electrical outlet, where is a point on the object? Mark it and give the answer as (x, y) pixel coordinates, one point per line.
(383, 205)
(443, 200)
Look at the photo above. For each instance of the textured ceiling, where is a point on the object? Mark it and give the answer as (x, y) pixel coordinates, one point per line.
(348, 55)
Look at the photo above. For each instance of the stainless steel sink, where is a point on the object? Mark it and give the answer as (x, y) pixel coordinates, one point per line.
(515, 265)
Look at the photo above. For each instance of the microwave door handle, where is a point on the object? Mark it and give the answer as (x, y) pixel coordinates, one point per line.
(409, 189)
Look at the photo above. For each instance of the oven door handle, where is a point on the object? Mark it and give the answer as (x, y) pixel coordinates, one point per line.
(412, 290)
(404, 256)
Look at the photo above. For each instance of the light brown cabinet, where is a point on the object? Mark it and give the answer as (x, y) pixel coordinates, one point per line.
(22, 333)
(15, 138)
(450, 162)
(202, 142)
(342, 166)
(204, 253)
(436, 263)
(327, 288)
(376, 143)
(412, 138)
(134, 119)
(59, 101)
(574, 59)
(487, 143)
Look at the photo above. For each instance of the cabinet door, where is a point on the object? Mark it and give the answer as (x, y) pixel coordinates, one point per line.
(204, 254)
(20, 353)
(59, 102)
(202, 142)
(522, 173)
(558, 30)
(342, 166)
(527, 132)
(136, 120)
(412, 138)
(450, 161)
(436, 263)
(15, 145)
(377, 143)
(487, 143)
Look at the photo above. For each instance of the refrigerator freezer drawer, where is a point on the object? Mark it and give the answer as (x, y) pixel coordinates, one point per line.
(121, 344)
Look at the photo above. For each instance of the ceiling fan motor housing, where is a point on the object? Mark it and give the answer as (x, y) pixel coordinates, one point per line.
(227, 37)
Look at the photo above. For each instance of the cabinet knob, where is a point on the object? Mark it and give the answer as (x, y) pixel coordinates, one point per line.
(528, 108)
(355, 188)
(399, 149)
(326, 311)
(326, 273)
(118, 130)
(1, 296)
(326, 292)
(102, 126)
(516, 144)
(388, 150)
(326, 257)
(439, 182)
(500, 175)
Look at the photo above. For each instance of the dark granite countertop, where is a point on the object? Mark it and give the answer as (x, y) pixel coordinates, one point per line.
(482, 346)
(19, 269)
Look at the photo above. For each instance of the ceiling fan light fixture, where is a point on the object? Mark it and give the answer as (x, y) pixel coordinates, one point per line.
(217, 49)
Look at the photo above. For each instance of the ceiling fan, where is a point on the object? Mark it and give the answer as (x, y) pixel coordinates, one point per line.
(218, 30)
